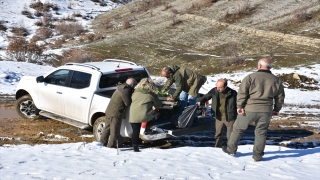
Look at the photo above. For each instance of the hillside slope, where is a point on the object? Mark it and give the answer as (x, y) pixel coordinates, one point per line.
(210, 38)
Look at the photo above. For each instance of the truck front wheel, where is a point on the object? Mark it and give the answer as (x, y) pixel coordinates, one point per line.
(98, 127)
(26, 108)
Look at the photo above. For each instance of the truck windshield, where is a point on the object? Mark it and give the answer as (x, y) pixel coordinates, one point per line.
(111, 80)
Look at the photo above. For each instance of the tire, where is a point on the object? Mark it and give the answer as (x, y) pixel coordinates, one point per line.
(26, 108)
(98, 127)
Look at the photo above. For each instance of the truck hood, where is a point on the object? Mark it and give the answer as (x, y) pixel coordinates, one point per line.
(28, 78)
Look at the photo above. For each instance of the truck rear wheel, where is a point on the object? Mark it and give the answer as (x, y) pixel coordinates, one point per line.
(98, 127)
(26, 108)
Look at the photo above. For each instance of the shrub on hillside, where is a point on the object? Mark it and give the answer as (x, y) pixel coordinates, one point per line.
(69, 29)
(77, 55)
(175, 20)
(55, 7)
(34, 52)
(145, 5)
(244, 8)
(19, 49)
(89, 37)
(44, 33)
(2, 27)
(27, 13)
(38, 12)
(166, 5)
(46, 7)
(230, 54)
(196, 6)
(36, 4)
(19, 31)
(38, 23)
(206, 3)
(107, 23)
(69, 18)
(77, 14)
(58, 43)
(301, 15)
(126, 23)
(47, 20)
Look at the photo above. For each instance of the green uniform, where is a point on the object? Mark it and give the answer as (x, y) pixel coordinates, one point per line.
(185, 80)
(259, 94)
(141, 107)
(224, 110)
(120, 99)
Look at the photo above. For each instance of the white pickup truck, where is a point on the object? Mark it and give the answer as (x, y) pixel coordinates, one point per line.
(78, 94)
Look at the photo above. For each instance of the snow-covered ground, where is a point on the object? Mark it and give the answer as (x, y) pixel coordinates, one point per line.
(93, 161)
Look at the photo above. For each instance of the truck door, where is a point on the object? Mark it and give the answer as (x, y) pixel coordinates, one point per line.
(50, 93)
(77, 96)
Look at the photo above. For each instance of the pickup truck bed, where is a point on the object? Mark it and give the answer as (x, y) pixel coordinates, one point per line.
(162, 128)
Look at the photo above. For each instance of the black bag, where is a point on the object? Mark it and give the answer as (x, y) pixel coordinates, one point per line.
(185, 118)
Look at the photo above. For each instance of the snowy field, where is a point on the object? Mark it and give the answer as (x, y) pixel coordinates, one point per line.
(93, 161)
(11, 16)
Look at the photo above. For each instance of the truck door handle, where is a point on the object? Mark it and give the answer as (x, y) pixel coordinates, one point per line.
(82, 97)
(59, 92)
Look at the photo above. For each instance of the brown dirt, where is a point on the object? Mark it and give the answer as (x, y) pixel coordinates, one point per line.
(15, 130)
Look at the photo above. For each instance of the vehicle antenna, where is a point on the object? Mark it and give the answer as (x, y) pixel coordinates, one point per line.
(118, 65)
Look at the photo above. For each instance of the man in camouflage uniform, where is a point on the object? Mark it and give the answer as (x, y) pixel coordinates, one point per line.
(120, 99)
(187, 84)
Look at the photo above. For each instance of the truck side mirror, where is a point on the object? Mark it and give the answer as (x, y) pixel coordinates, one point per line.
(40, 79)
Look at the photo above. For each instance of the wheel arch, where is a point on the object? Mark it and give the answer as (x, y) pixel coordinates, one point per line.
(21, 93)
(95, 116)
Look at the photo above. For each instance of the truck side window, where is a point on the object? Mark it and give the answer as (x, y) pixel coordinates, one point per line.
(80, 80)
(58, 77)
(111, 80)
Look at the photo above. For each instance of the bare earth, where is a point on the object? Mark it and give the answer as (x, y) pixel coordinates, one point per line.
(15, 130)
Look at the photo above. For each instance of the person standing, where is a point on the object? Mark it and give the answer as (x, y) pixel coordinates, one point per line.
(143, 108)
(120, 99)
(260, 96)
(187, 84)
(223, 108)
